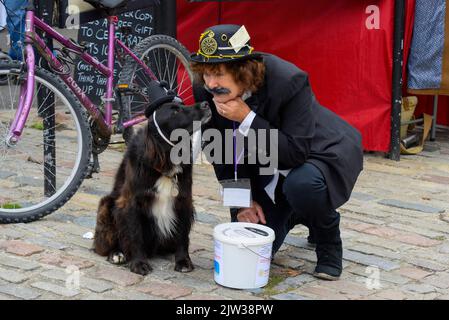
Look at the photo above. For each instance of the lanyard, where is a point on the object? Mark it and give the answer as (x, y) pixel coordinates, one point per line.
(236, 160)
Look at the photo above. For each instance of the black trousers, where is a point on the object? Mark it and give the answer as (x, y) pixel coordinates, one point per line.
(301, 198)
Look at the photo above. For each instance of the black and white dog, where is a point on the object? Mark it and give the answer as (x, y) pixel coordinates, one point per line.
(150, 209)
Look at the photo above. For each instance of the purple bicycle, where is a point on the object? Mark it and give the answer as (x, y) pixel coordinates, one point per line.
(50, 131)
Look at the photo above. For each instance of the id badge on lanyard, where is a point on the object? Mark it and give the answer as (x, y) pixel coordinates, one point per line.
(236, 192)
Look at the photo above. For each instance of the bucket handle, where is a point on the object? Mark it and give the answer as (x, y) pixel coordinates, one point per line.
(270, 257)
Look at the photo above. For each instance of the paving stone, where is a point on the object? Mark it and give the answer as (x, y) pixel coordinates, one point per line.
(444, 249)
(409, 238)
(207, 218)
(418, 230)
(234, 294)
(413, 273)
(202, 297)
(294, 282)
(71, 228)
(59, 216)
(118, 276)
(366, 272)
(88, 222)
(289, 296)
(436, 179)
(323, 293)
(20, 292)
(389, 244)
(194, 247)
(18, 263)
(410, 206)
(356, 226)
(20, 248)
(84, 282)
(288, 262)
(127, 295)
(11, 233)
(438, 280)
(298, 242)
(165, 290)
(12, 276)
(369, 260)
(361, 217)
(426, 264)
(362, 196)
(203, 263)
(390, 294)
(56, 289)
(64, 260)
(349, 287)
(303, 255)
(374, 250)
(419, 288)
(79, 241)
(5, 297)
(6, 174)
(94, 191)
(48, 243)
(86, 201)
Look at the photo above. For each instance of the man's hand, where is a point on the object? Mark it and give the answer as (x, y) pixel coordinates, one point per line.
(253, 215)
(235, 110)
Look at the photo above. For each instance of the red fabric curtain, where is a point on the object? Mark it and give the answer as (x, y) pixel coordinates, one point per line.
(350, 66)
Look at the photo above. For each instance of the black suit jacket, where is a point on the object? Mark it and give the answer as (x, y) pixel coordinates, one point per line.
(307, 131)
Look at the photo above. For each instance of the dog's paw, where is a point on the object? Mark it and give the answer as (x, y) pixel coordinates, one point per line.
(140, 267)
(117, 258)
(184, 265)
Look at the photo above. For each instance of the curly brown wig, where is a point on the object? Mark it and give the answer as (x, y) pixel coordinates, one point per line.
(249, 74)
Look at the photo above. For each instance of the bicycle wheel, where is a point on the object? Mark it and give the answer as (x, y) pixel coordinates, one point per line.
(169, 61)
(46, 166)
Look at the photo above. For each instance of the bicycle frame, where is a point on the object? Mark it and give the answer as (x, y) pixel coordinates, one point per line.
(27, 90)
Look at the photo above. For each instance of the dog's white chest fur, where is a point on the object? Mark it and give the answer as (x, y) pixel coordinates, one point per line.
(163, 206)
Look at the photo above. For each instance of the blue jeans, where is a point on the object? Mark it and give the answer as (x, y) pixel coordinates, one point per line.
(301, 198)
(16, 26)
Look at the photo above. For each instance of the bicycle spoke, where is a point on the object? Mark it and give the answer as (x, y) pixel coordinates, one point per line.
(43, 162)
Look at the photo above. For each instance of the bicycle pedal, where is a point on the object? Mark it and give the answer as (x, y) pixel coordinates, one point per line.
(127, 89)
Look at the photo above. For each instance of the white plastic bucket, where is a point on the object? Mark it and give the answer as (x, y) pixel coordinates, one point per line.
(242, 255)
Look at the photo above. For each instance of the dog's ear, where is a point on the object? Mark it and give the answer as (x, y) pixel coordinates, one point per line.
(158, 95)
(153, 153)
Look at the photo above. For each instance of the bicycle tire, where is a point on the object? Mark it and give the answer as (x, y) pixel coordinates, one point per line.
(69, 188)
(172, 46)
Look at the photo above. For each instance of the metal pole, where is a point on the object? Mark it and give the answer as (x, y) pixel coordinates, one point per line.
(165, 18)
(399, 19)
(46, 109)
(433, 132)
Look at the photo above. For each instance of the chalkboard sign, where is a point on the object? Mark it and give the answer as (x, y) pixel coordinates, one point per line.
(93, 83)
(75, 12)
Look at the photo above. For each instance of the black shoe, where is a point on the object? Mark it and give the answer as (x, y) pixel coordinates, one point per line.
(329, 264)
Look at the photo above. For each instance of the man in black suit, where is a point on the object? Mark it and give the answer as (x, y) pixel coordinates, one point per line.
(319, 154)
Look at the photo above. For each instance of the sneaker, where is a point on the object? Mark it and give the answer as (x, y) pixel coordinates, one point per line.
(329, 265)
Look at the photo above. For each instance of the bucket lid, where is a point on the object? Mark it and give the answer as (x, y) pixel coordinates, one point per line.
(249, 234)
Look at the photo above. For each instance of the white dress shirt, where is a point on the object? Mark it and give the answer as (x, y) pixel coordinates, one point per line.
(244, 127)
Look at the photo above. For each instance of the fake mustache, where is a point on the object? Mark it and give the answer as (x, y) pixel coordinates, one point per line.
(217, 91)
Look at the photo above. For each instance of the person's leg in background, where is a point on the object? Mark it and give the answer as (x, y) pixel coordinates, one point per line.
(2, 16)
(16, 26)
(306, 191)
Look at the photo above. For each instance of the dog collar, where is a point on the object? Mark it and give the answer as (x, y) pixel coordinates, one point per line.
(160, 131)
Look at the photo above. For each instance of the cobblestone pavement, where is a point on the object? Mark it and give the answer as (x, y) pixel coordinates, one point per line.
(395, 230)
